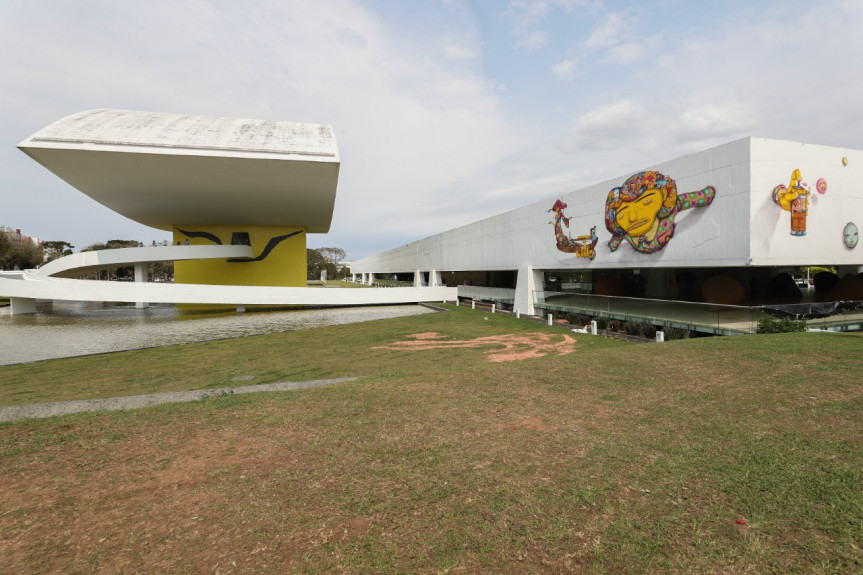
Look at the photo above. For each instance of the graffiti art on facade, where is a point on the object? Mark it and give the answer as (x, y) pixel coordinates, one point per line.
(850, 235)
(643, 210)
(581, 246)
(795, 199)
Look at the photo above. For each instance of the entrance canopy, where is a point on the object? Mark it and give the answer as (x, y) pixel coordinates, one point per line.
(163, 170)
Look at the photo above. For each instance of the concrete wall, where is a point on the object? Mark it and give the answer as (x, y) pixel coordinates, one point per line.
(741, 226)
(839, 202)
(526, 236)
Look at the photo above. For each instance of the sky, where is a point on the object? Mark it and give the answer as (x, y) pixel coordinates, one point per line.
(445, 111)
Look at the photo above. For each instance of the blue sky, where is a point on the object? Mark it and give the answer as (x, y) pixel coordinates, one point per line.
(446, 112)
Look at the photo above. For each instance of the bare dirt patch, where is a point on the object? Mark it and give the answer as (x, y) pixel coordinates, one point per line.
(508, 347)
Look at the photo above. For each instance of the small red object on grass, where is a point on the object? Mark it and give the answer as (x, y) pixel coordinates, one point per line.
(741, 521)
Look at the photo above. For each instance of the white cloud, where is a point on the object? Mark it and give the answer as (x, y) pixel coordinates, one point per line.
(526, 17)
(630, 52)
(564, 69)
(456, 51)
(427, 143)
(608, 32)
(532, 41)
(406, 124)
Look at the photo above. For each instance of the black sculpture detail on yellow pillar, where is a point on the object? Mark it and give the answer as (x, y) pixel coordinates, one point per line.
(267, 249)
(205, 235)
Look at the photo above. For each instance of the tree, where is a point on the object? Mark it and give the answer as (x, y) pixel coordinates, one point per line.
(123, 273)
(161, 271)
(315, 262)
(56, 249)
(334, 256)
(17, 251)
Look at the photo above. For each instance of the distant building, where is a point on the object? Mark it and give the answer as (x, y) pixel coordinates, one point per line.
(16, 235)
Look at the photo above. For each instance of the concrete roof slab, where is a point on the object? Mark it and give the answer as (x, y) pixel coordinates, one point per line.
(163, 170)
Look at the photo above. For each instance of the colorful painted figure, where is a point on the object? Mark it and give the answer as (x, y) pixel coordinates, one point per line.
(643, 210)
(795, 199)
(850, 235)
(582, 246)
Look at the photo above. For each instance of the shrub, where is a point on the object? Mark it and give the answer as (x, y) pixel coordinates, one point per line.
(634, 328)
(675, 332)
(649, 330)
(770, 324)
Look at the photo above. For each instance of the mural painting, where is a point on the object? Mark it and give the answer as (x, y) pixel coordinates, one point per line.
(643, 210)
(581, 246)
(850, 235)
(795, 199)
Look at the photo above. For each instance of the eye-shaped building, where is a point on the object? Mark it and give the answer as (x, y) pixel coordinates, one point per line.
(209, 180)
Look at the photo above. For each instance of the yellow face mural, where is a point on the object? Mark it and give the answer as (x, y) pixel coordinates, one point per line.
(639, 217)
(642, 211)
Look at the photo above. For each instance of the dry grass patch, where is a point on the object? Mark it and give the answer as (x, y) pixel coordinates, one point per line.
(613, 458)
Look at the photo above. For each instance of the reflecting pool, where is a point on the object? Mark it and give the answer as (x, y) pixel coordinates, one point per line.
(71, 329)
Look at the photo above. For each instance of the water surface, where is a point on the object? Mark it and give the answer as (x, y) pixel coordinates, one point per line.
(71, 329)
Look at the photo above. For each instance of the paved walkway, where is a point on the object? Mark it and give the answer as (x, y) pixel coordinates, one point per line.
(36, 410)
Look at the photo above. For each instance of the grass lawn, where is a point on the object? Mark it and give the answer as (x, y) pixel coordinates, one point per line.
(596, 457)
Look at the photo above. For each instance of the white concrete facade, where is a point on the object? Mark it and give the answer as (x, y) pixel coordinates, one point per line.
(743, 225)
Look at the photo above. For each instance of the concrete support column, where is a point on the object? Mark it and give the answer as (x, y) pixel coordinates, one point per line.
(141, 276)
(529, 281)
(435, 279)
(371, 278)
(22, 305)
(418, 278)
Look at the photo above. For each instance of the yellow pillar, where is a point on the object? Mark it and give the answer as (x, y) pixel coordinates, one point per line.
(279, 256)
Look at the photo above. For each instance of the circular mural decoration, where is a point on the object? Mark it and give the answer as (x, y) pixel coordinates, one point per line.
(821, 185)
(850, 235)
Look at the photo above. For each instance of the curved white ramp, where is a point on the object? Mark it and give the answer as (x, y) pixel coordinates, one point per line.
(48, 283)
(75, 264)
(37, 286)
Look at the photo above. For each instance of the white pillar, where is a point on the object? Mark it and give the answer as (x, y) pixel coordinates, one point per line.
(371, 278)
(517, 314)
(22, 305)
(473, 304)
(418, 278)
(435, 279)
(660, 336)
(492, 308)
(550, 319)
(529, 281)
(593, 327)
(141, 276)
